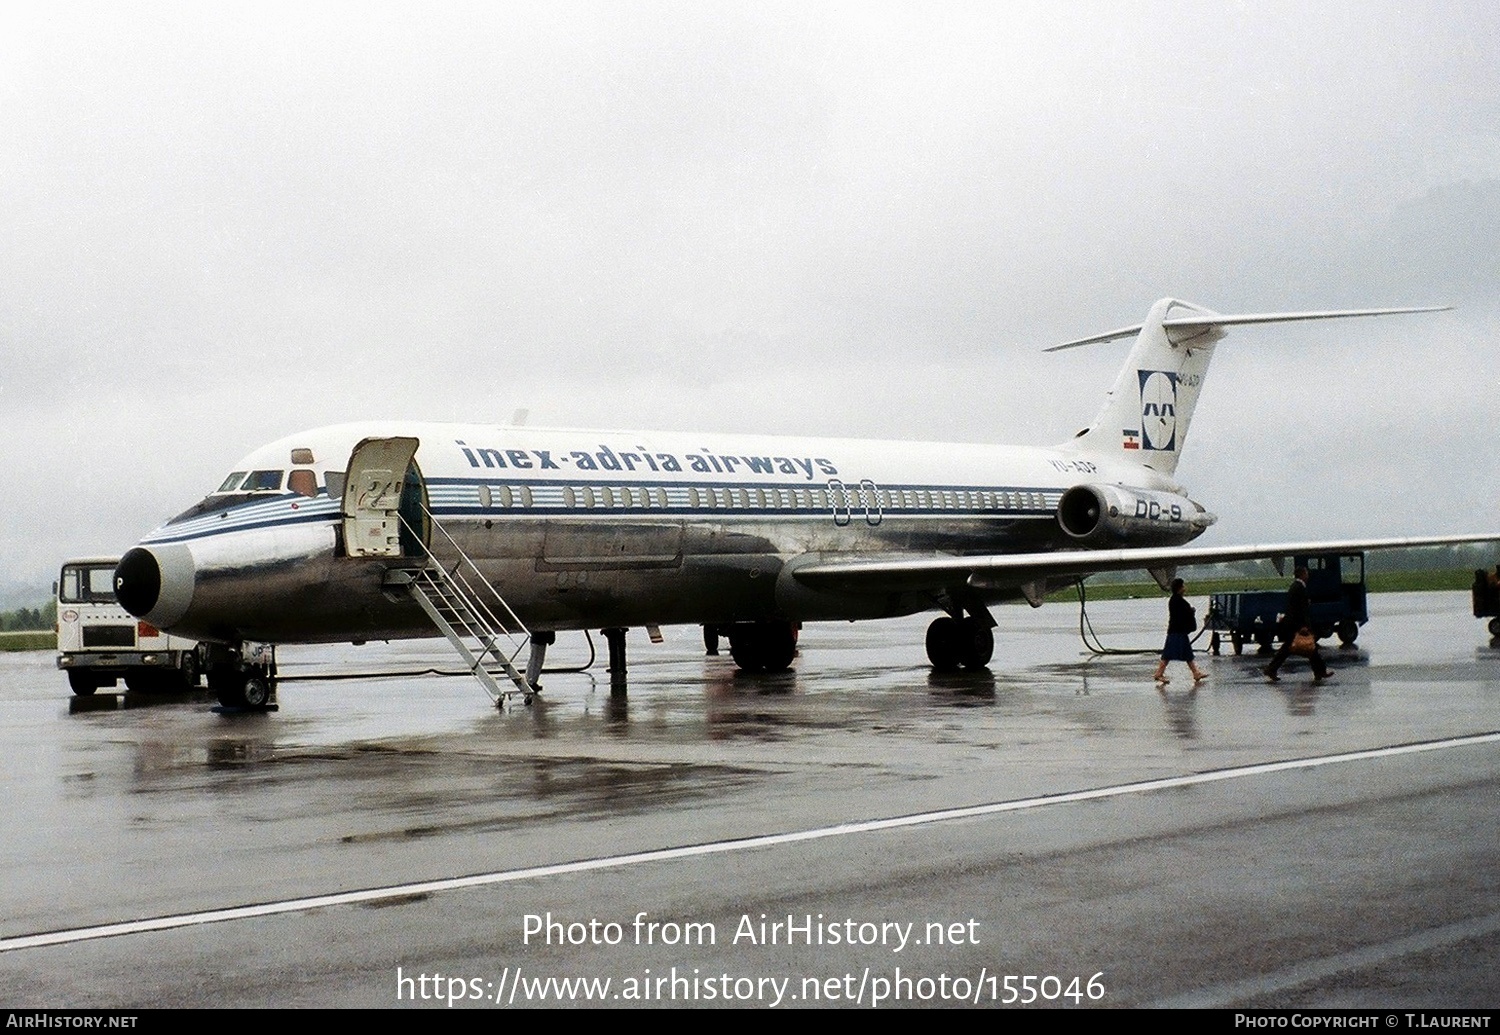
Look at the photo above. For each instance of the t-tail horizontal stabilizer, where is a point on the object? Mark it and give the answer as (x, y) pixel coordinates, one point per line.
(1146, 416)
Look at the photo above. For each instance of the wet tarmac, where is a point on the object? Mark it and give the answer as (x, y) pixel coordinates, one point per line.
(856, 831)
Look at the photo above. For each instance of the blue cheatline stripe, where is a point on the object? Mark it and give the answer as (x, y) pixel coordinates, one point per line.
(157, 538)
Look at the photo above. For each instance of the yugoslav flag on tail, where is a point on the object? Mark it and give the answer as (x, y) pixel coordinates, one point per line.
(1148, 411)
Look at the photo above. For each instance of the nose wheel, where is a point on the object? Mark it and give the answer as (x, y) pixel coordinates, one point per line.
(244, 679)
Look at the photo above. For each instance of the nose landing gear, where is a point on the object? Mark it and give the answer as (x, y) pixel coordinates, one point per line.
(243, 677)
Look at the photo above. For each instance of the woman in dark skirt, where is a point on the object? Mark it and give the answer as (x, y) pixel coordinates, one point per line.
(1182, 622)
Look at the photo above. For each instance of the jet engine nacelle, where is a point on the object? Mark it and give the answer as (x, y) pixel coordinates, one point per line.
(1109, 515)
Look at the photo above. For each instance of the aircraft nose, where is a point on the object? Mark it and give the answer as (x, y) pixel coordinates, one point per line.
(156, 583)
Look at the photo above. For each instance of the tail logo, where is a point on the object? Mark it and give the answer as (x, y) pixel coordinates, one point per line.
(1158, 409)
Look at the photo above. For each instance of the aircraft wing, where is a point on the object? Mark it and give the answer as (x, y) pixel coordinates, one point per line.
(1015, 570)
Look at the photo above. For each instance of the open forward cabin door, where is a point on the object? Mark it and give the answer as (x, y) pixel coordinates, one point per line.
(386, 515)
(385, 500)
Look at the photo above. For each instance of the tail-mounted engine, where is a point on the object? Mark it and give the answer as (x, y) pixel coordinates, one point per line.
(1117, 515)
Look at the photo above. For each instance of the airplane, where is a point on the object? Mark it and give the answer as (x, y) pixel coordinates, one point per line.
(386, 530)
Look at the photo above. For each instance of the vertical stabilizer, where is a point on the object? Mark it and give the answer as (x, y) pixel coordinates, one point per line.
(1146, 417)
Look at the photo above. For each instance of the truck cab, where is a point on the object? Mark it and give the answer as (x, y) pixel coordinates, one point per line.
(99, 642)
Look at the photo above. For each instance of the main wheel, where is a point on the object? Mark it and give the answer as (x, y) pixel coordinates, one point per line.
(945, 644)
(977, 642)
(83, 683)
(763, 646)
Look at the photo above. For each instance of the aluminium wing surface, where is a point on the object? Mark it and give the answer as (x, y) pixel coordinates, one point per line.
(998, 571)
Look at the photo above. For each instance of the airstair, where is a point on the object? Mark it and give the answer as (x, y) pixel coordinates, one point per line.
(470, 612)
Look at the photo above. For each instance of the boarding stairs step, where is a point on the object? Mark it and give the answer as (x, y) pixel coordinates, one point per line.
(471, 614)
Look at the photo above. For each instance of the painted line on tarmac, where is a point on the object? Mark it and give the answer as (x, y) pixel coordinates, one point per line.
(1235, 992)
(398, 891)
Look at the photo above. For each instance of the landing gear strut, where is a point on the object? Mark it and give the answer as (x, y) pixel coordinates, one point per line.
(959, 642)
(615, 637)
(540, 641)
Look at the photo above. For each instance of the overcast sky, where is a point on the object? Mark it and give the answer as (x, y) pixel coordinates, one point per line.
(226, 222)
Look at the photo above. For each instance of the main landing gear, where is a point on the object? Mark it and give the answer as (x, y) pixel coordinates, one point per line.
(954, 643)
(243, 677)
(763, 646)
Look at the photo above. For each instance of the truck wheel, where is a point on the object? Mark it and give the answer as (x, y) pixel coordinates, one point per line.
(82, 682)
(1237, 642)
(1494, 628)
(1348, 632)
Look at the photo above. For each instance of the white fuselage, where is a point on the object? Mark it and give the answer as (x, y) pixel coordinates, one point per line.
(591, 529)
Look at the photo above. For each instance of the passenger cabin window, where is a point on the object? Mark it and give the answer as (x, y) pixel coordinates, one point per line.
(507, 500)
(525, 495)
(570, 498)
(303, 482)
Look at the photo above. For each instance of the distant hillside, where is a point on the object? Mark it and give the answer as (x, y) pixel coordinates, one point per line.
(26, 618)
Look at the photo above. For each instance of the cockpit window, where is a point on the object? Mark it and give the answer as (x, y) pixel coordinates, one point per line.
(263, 481)
(303, 482)
(232, 482)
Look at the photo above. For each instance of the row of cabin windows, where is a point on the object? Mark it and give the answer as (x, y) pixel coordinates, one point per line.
(304, 482)
(851, 496)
